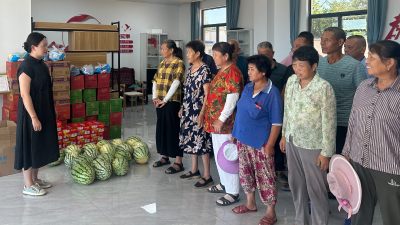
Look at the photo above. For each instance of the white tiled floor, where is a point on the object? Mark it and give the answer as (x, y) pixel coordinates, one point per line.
(144, 196)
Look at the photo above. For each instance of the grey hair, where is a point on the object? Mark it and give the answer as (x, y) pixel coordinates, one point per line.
(265, 44)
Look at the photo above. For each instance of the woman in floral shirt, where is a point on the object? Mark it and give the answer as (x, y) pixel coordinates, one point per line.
(223, 94)
(308, 136)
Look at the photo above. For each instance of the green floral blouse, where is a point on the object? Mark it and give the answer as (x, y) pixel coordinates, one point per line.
(310, 115)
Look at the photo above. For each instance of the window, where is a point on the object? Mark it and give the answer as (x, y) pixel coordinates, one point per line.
(213, 27)
(351, 15)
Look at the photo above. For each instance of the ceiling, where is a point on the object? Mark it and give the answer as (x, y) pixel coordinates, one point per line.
(164, 2)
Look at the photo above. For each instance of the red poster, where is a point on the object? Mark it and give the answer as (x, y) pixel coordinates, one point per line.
(125, 36)
(126, 46)
(125, 41)
(126, 51)
(394, 33)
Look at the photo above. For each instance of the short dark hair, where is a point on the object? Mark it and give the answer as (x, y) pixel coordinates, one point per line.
(224, 48)
(308, 36)
(338, 33)
(308, 54)
(196, 46)
(386, 50)
(33, 39)
(262, 63)
(172, 45)
(360, 40)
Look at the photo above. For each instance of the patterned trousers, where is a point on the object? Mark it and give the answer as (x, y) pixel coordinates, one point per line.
(256, 170)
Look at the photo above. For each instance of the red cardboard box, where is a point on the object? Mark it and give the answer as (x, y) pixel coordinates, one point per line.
(64, 113)
(78, 82)
(106, 133)
(115, 119)
(70, 132)
(103, 80)
(90, 118)
(103, 94)
(12, 68)
(60, 144)
(64, 122)
(59, 125)
(10, 102)
(66, 144)
(95, 126)
(60, 135)
(91, 81)
(78, 110)
(9, 115)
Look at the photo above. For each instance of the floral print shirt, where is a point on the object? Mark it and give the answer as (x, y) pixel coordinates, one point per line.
(310, 115)
(226, 82)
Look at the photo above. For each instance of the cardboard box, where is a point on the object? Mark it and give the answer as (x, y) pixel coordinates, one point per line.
(106, 133)
(64, 113)
(12, 69)
(8, 133)
(89, 95)
(103, 94)
(78, 110)
(9, 115)
(116, 119)
(78, 120)
(60, 68)
(115, 105)
(10, 102)
(59, 126)
(61, 97)
(90, 118)
(115, 132)
(92, 108)
(95, 126)
(104, 107)
(64, 122)
(78, 82)
(76, 96)
(7, 158)
(48, 64)
(114, 94)
(104, 118)
(13, 83)
(91, 81)
(103, 80)
(61, 83)
(70, 132)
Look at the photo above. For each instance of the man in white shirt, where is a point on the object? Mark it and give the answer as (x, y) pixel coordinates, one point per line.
(355, 47)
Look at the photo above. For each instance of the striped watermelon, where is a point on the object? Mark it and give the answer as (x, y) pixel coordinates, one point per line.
(89, 146)
(139, 144)
(120, 166)
(92, 152)
(123, 154)
(69, 160)
(73, 148)
(141, 155)
(107, 157)
(81, 159)
(103, 169)
(132, 140)
(83, 173)
(101, 143)
(124, 147)
(116, 142)
(60, 159)
(108, 148)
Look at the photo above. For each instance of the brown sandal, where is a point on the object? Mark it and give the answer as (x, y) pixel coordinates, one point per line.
(241, 209)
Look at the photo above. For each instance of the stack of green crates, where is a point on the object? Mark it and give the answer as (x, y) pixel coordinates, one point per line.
(115, 106)
(92, 106)
(76, 98)
(104, 113)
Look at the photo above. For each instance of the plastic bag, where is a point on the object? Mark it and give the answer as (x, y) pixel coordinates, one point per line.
(17, 56)
(102, 68)
(46, 58)
(74, 71)
(56, 54)
(87, 70)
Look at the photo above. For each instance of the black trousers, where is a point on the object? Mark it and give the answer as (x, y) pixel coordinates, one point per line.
(340, 139)
(279, 158)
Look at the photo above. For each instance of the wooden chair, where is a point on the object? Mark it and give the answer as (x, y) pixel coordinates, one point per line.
(135, 94)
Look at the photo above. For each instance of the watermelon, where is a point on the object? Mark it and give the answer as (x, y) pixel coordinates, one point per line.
(132, 140)
(89, 146)
(123, 154)
(73, 148)
(124, 147)
(141, 155)
(82, 158)
(116, 142)
(103, 169)
(92, 152)
(120, 166)
(83, 173)
(139, 144)
(108, 148)
(60, 159)
(69, 160)
(101, 143)
(106, 156)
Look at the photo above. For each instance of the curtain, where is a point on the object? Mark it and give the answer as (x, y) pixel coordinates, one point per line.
(232, 13)
(376, 19)
(294, 20)
(195, 20)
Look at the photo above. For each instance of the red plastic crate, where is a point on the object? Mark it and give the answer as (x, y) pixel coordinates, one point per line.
(103, 94)
(103, 80)
(64, 113)
(90, 118)
(115, 119)
(78, 82)
(78, 110)
(91, 81)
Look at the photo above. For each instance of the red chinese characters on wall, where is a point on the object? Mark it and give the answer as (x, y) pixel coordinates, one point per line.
(125, 42)
(394, 33)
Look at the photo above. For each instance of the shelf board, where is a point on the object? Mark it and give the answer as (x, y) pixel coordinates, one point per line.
(46, 26)
(89, 51)
(5, 92)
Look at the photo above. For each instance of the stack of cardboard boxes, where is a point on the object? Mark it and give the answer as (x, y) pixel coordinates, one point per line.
(61, 87)
(8, 132)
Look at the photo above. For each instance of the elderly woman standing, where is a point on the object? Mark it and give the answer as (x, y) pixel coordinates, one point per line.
(372, 143)
(257, 126)
(167, 100)
(308, 136)
(223, 94)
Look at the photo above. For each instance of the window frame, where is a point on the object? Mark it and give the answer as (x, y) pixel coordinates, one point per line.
(216, 25)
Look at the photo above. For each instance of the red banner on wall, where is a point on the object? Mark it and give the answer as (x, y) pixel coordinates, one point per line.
(125, 36)
(125, 41)
(126, 51)
(126, 46)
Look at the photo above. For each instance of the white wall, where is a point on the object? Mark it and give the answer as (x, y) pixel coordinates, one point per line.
(141, 17)
(185, 28)
(393, 10)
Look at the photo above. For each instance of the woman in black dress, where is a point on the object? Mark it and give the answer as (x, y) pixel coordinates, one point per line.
(37, 142)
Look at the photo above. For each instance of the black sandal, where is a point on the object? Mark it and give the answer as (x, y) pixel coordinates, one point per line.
(226, 202)
(207, 183)
(159, 163)
(173, 170)
(214, 189)
(191, 175)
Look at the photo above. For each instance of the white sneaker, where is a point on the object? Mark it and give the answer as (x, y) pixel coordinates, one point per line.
(34, 190)
(43, 184)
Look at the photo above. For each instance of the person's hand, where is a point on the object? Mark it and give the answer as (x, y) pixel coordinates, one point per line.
(37, 126)
(268, 151)
(323, 162)
(155, 101)
(233, 140)
(180, 113)
(282, 144)
(348, 158)
(218, 126)
(200, 120)
(161, 104)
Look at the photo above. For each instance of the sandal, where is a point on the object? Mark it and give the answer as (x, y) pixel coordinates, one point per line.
(191, 175)
(173, 170)
(226, 202)
(214, 189)
(243, 209)
(159, 163)
(267, 221)
(207, 183)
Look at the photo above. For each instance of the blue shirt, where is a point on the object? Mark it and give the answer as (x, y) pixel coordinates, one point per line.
(255, 116)
(365, 67)
(209, 61)
(243, 67)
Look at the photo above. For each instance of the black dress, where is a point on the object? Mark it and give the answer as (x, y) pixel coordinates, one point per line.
(36, 148)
